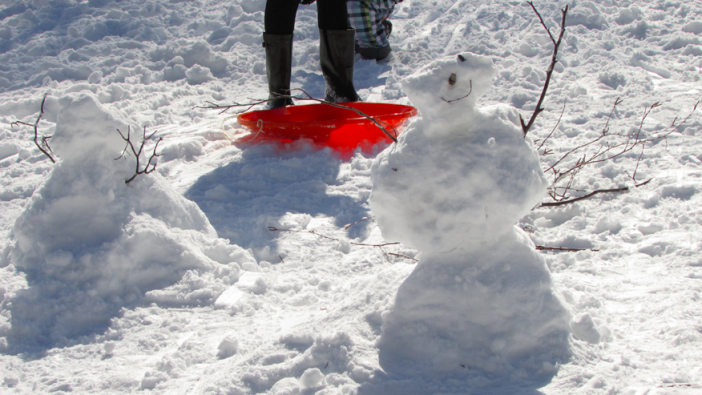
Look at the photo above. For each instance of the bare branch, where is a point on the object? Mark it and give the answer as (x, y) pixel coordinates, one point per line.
(542, 21)
(402, 256)
(553, 130)
(554, 59)
(543, 248)
(591, 194)
(274, 229)
(643, 146)
(611, 146)
(137, 153)
(357, 222)
(44, 146)
(227, 107)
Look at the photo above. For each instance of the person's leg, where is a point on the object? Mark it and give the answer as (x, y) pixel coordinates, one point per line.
(332, 15)
(336, 50)
(279, 17)
(279, 23)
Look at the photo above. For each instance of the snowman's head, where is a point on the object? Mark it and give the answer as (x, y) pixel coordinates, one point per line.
(446, 91)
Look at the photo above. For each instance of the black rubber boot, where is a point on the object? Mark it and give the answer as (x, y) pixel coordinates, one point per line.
(278, 68)
(336, 54)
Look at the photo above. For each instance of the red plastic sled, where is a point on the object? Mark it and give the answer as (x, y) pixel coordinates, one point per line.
(335, 127)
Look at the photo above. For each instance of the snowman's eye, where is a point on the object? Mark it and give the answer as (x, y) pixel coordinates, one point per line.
(452, 79)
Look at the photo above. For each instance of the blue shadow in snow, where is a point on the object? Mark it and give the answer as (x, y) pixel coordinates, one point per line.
(243, 198)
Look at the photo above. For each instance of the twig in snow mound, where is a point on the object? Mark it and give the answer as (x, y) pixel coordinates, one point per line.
(137, 153)
(44, 145)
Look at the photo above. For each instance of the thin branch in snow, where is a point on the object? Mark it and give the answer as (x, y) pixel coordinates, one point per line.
(643, 146)
(358, 222)
(543, 248)
(137, 153)
(274, 229)
(548, 152)
(554, 59)
(611, 146)
(226, 107)
(44, 146)
(402, 256)
(591, 194)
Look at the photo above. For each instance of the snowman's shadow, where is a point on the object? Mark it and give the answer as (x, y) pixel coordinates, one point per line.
(245, 197)
(385, 384)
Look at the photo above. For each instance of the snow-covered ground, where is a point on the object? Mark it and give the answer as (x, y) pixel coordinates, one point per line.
(107, 288)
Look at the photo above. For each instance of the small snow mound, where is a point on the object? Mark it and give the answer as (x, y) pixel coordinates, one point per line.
(152, 379)
(312, 378)
(694, 27)
(91, 244)
(227, 347)
(584, 329)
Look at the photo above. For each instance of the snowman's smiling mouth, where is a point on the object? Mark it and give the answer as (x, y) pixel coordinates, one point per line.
(453, 78)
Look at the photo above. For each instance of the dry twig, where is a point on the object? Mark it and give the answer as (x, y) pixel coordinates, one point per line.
(554, 59)
(563, 202)
(547, 151)
(358, 222)
(543, 248)
(137, 153)
(609, 146)
(274, 229)
(44, 146)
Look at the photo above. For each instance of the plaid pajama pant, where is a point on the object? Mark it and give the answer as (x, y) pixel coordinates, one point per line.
(367, 16)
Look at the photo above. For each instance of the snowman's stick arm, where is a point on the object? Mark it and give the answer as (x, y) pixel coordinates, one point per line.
(554, 59)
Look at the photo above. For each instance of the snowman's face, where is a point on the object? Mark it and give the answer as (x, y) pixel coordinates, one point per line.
(446, 91)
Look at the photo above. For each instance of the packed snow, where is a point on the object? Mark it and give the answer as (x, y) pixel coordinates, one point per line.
(241, 268)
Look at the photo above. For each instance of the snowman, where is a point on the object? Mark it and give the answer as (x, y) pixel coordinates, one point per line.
(480, 301)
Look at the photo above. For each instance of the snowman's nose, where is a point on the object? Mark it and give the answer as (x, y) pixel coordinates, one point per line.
(452, 79)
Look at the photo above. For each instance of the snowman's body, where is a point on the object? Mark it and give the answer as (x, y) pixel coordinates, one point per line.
(453, 187)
